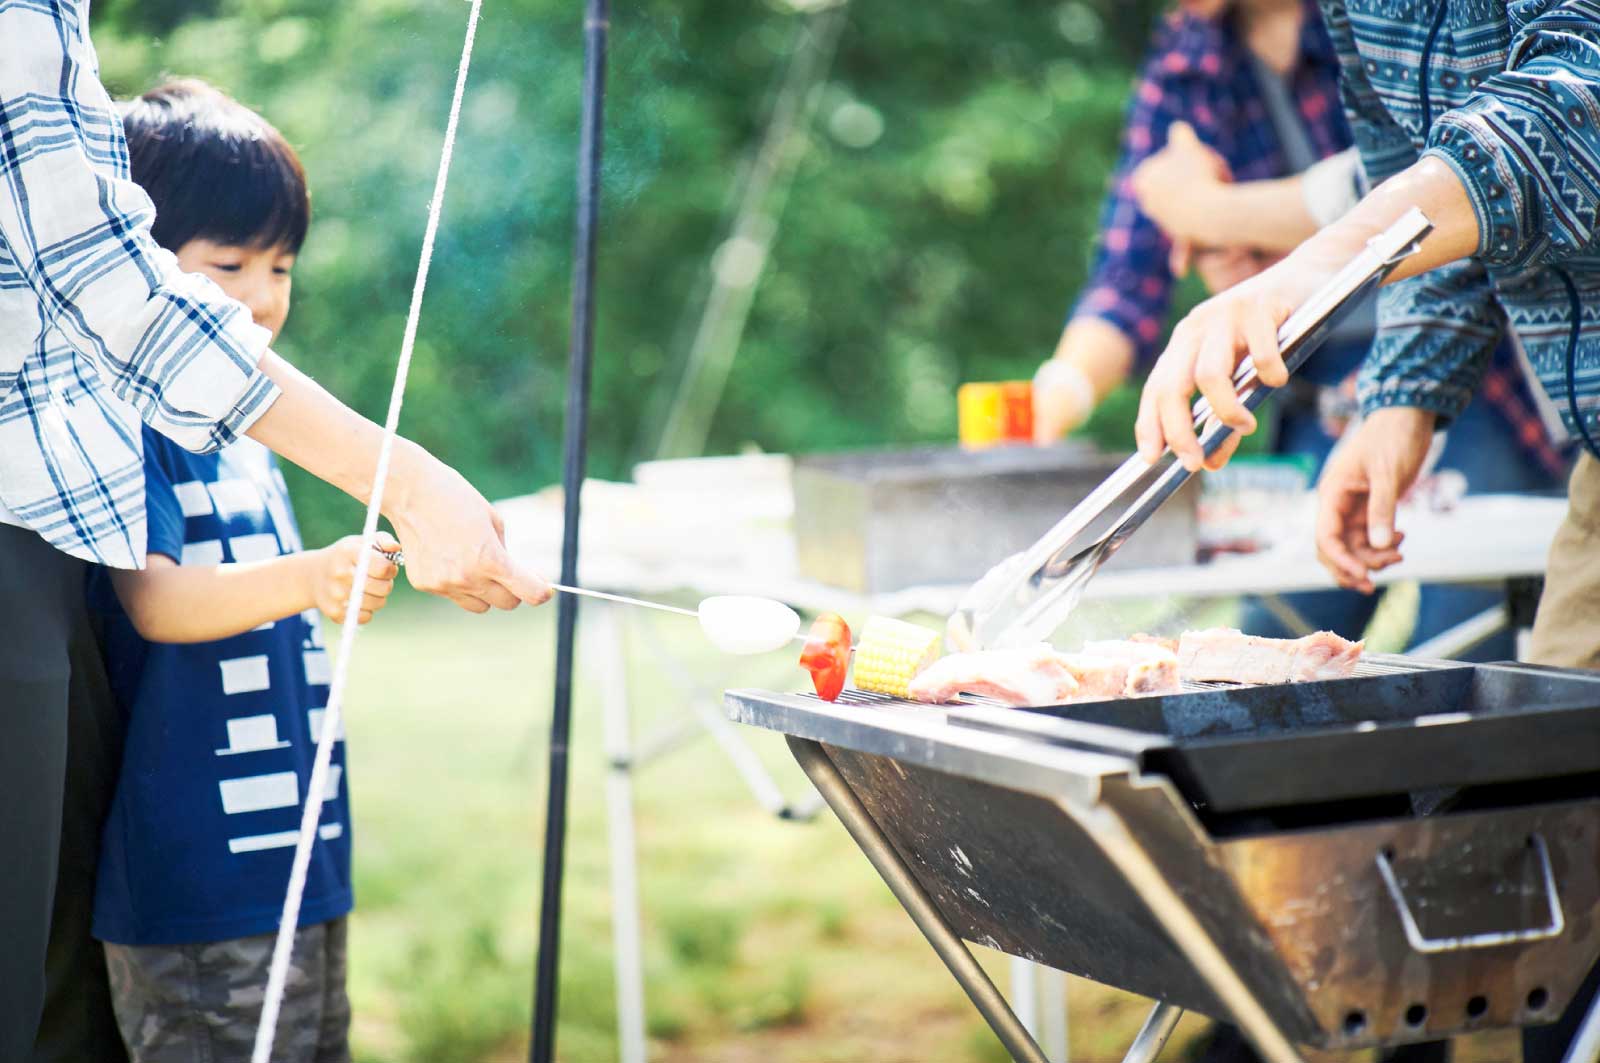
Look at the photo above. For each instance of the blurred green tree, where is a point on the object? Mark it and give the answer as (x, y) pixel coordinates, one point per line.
(941, 216)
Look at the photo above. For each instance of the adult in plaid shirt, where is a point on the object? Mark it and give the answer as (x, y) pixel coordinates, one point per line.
(98, 329)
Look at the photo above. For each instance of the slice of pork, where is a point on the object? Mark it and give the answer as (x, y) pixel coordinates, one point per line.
(1230, 656)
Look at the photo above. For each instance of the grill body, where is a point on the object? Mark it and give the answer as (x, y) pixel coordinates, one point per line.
(1031, 839)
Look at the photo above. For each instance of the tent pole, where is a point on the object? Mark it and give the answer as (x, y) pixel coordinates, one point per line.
(574, 453)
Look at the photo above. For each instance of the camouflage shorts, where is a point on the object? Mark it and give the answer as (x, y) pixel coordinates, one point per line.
(201, 1003)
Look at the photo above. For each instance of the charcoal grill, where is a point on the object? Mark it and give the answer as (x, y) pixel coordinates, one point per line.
(1400, 856)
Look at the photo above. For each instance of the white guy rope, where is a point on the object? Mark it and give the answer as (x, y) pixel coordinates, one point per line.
(315, 791)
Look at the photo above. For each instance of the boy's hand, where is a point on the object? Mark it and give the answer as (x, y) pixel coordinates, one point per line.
(335, 566)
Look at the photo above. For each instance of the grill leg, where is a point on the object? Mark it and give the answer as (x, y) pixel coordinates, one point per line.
(813, 759)
(1109, 832)
(1153, 1037)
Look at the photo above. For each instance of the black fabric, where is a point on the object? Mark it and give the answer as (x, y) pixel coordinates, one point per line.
(58, 759)
(79, 1022)
(41, 591)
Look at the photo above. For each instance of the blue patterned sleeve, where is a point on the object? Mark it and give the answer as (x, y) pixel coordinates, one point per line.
(1385, 148)
(1526, 145)
(1436, 334)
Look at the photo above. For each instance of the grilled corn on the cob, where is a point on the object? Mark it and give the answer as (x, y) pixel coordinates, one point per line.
(891, 653)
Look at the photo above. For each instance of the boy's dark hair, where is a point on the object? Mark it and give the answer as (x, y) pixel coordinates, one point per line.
(215, 169)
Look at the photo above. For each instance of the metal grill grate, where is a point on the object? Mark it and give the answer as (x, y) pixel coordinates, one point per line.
(1376, 664)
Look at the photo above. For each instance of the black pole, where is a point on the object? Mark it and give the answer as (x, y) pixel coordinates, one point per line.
(575, 445)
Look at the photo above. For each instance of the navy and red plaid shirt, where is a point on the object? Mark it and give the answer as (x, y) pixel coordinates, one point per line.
(1199, 71)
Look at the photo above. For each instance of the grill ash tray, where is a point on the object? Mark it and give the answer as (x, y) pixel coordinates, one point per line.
(1233, 749)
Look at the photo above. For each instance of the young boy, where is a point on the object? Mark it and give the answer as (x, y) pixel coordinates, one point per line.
(216, 657)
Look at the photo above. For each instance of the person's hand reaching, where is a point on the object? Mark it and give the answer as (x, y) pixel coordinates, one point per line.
(1368, 474)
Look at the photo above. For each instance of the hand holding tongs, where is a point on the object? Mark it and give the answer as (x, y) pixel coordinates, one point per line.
(1027, 596)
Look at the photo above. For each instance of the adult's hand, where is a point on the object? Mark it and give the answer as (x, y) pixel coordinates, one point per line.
(1363, 482)
(1206, 347)
(1178, 187)
(454, 541)
(1223, 268)
(1207, 344)
(1091, 359)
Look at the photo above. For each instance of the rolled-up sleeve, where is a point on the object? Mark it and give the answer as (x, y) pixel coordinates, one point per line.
(1526, 145)
(1437, 333)
(170, 344)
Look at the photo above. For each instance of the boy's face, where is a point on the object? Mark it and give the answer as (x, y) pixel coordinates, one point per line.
(257, 277)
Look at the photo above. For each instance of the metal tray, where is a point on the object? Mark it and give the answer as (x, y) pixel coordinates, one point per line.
(1232, 749)
(876, 521)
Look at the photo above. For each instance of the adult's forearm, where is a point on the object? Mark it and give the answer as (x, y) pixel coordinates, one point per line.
(1099, 350)
(1429, 185)
(1263, 215)
(328, 439)
(317, 432)
(454, 541)
(204, 603)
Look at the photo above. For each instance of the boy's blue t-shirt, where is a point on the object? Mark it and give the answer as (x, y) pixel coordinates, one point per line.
(220, 735)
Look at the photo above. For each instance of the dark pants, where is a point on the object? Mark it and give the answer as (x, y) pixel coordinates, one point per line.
(57, 767)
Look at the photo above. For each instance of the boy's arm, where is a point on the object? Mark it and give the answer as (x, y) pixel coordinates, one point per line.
(168, 602)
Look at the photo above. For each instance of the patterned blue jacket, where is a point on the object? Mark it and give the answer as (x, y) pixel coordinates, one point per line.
(1507, 93)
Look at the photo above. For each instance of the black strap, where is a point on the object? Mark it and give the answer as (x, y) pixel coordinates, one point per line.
(1572, 361)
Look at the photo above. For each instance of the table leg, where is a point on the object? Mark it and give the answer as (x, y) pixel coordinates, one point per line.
(1153, 1036)
(706, 707)
(1025, 994)
(1522, 602)
(1286, 614)
(1457, 640)
(1053, 1013)
(814, 761)
(611, 660)
(1039, 997)
(1148, 884)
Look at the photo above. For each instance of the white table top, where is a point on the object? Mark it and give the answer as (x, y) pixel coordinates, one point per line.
(655, 542)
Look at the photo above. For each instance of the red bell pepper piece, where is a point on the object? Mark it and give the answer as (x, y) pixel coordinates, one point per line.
(827, 655)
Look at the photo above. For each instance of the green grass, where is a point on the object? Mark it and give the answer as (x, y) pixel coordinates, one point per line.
(766, 941)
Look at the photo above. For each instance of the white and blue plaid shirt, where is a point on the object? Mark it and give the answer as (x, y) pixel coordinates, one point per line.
(99, 328)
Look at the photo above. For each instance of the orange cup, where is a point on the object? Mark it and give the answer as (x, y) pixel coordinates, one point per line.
(992, 414)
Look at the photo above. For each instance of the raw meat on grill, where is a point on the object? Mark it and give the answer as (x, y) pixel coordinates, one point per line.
(1155, 640)
(1230, 656)
(1152, 664)
(1034, 675)
(1098, 677)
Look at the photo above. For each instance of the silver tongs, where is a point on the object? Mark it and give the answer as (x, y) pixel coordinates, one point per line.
(1027, 596)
